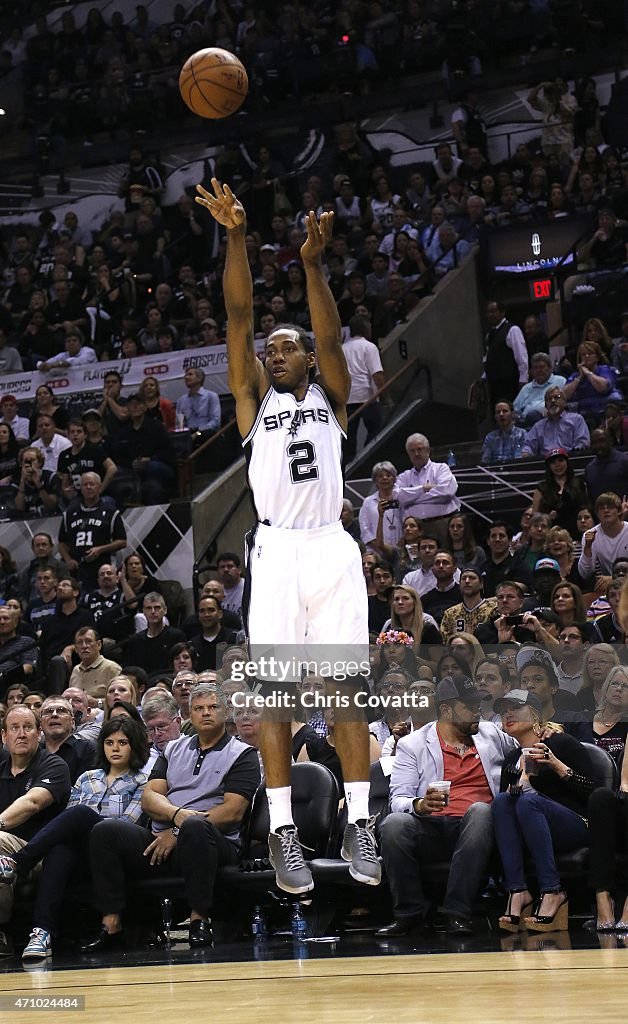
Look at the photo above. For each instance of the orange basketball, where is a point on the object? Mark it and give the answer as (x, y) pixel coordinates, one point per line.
(213, 83)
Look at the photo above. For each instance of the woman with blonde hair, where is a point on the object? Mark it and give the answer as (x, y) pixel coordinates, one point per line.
(598, 661)
(119, 689)
(560, 546)
(609, 727)
(469, 647)
(539, 812)
(407, 615)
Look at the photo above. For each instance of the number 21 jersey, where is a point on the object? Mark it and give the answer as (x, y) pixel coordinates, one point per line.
(294, 452)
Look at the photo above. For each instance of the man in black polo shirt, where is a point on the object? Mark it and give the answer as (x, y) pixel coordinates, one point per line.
(57, 634)
(196, 798)
(57, 725)
(90, 532)
(151, 647)
(34, 787)
(212, 633)
(18, 654)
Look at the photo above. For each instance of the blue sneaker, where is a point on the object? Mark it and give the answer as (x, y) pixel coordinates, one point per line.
(39, 945)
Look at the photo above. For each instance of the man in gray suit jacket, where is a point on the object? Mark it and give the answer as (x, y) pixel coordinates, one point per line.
(429, 825)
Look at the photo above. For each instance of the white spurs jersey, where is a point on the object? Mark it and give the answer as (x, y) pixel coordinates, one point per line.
(294, 461)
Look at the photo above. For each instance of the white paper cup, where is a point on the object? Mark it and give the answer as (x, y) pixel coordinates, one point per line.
(442, 787)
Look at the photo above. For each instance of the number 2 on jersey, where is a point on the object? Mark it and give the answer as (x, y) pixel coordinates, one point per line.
(302, 461)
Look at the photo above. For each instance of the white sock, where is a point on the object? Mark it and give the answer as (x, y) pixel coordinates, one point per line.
(357, 796)
(280, 807)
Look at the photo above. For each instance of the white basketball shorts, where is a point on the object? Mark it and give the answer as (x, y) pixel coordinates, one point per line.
(307, 589)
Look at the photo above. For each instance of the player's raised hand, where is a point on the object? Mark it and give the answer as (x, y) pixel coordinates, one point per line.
(223, 205)
(318, 235)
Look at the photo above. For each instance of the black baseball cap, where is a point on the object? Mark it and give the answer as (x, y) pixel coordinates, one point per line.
(517, 699)
(460, 688)
(546, 615)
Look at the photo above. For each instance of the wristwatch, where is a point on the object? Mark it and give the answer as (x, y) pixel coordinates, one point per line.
(3, 827)
(175, 830)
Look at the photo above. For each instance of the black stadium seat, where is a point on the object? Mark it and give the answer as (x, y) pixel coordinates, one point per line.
(315, 809)
(574, 865)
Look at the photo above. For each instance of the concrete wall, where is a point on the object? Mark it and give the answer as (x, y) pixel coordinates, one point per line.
(211, 505)
(445, 332)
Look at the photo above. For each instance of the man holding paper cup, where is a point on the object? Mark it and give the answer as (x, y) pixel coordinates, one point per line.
(443, 781)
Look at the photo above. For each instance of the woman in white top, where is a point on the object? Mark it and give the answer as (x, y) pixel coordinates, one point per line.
(384, 476)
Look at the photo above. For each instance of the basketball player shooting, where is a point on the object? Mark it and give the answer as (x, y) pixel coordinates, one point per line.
(305, 573)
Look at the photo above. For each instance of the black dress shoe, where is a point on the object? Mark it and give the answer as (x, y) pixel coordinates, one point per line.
(402, 926)
(200, 933)
(453, 924)
(103, 940)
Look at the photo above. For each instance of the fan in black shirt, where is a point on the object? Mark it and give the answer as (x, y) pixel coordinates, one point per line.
(142, 449)
(82, 457)
(90, 532)
(151, 647)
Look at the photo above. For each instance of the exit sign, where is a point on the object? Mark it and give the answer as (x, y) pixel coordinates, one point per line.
(541, 288)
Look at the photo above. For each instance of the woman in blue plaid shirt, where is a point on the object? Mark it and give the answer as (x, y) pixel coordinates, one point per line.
(112, 790)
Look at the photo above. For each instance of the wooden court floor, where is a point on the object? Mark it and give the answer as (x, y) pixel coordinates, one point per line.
(578, 985)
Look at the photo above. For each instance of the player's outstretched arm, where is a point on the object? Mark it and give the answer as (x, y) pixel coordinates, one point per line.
(334, 374)
(246, 374)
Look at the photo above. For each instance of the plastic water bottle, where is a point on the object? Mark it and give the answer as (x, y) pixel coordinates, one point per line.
(258, 925)
(259, 933)
(451, 459)
(299, 924)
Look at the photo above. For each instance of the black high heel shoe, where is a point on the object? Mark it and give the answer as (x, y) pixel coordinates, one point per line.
(509, 922)
(558, 922)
